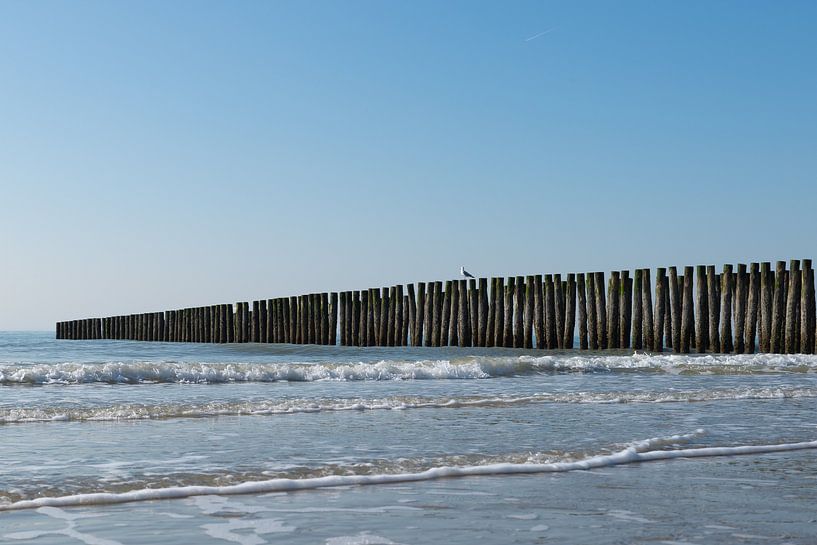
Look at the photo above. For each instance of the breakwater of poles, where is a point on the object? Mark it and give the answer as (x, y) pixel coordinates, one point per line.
(740, 309)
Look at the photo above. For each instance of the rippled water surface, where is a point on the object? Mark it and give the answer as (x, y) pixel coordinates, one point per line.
(105, 442)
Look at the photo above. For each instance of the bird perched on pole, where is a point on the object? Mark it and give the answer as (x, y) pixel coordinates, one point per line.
(465, 273)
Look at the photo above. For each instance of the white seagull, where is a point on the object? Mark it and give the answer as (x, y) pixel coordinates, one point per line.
(465, 273)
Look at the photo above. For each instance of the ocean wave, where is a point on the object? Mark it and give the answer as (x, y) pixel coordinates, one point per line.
(139, 411)
(642, 451)
(470, 367)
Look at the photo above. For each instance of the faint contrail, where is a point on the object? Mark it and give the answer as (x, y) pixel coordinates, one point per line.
(540, 34)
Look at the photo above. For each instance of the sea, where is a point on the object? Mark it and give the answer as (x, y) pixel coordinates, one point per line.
(121, 442)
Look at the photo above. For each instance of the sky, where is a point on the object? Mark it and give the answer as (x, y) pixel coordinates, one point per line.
(158, 155)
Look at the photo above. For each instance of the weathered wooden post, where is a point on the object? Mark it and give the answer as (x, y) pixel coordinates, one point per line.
(405, 323)
(777, 339)
(582, 310)
(613, 304)
(792, 307)
(453, 324)
(806, 345)
(741, 302)
(702, 310)
(428, 316)
(481, 331)
(507, 332)
(726, 310)
(648, 329)
(333, 318)
(686, 311)
(363, 325)
(490, 309)
(463, 318)
(638, 311)
(437, 314)
(527, 339)
(539, 311)
(473, 312)
(660, 317)
(625, 309)
(550, 313)
(568, 333)
(675, 309)
(398, 315)
(592, 321)
(752, 309)
(419, 314)
(601, 310)
(412, 313)
(519, 312)
(391, 320)
(558, 307)
(499, 319)
(712, 309)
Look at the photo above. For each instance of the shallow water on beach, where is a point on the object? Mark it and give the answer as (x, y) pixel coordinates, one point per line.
(305, 444)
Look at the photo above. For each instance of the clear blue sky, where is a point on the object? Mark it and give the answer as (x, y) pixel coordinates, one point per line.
(157, 155)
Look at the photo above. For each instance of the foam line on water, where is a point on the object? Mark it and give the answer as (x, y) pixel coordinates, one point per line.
(467, 367)
(635, 453)
(139, 411)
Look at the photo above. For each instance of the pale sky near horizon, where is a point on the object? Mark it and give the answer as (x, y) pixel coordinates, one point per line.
(158, 155)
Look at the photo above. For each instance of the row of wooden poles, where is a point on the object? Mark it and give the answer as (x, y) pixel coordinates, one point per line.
(700, 310)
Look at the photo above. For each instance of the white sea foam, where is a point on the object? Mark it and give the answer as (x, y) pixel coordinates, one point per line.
(470, 367)
(635, 453)
(311, 405)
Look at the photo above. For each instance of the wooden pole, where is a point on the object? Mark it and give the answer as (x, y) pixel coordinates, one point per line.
(792, 306)
(592, 321)
(463, 319)
(530, 288)
(256, 322)
(333, 318)
(613, 309)
(507, 332)
(675, 309)
(741, 302)
(405, 327)
(446, 314)
(499, 320)
(419, 324)
(412, 313)
(638, 311)
(752, 310)
(686, 311)
(558, 307)
(660, 316)
(437, 314)
(453, 325)
(519, 312)
(383, 322)
(726, 310)
(625, 309)
(398, 315)
(538, 311)
(473, 312)
(766, 290)
(776, 340)
(363, 324)
(428, 316)
(806, 297)
(582, 311)
(702, 310)
(482, 313)
(568, 334)
(713, 305)
(550, 313)
(648, 329)
(355, 321)
(490, 310)
(601, 310)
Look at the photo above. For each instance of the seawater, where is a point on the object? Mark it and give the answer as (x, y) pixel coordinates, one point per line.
(106, 442)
